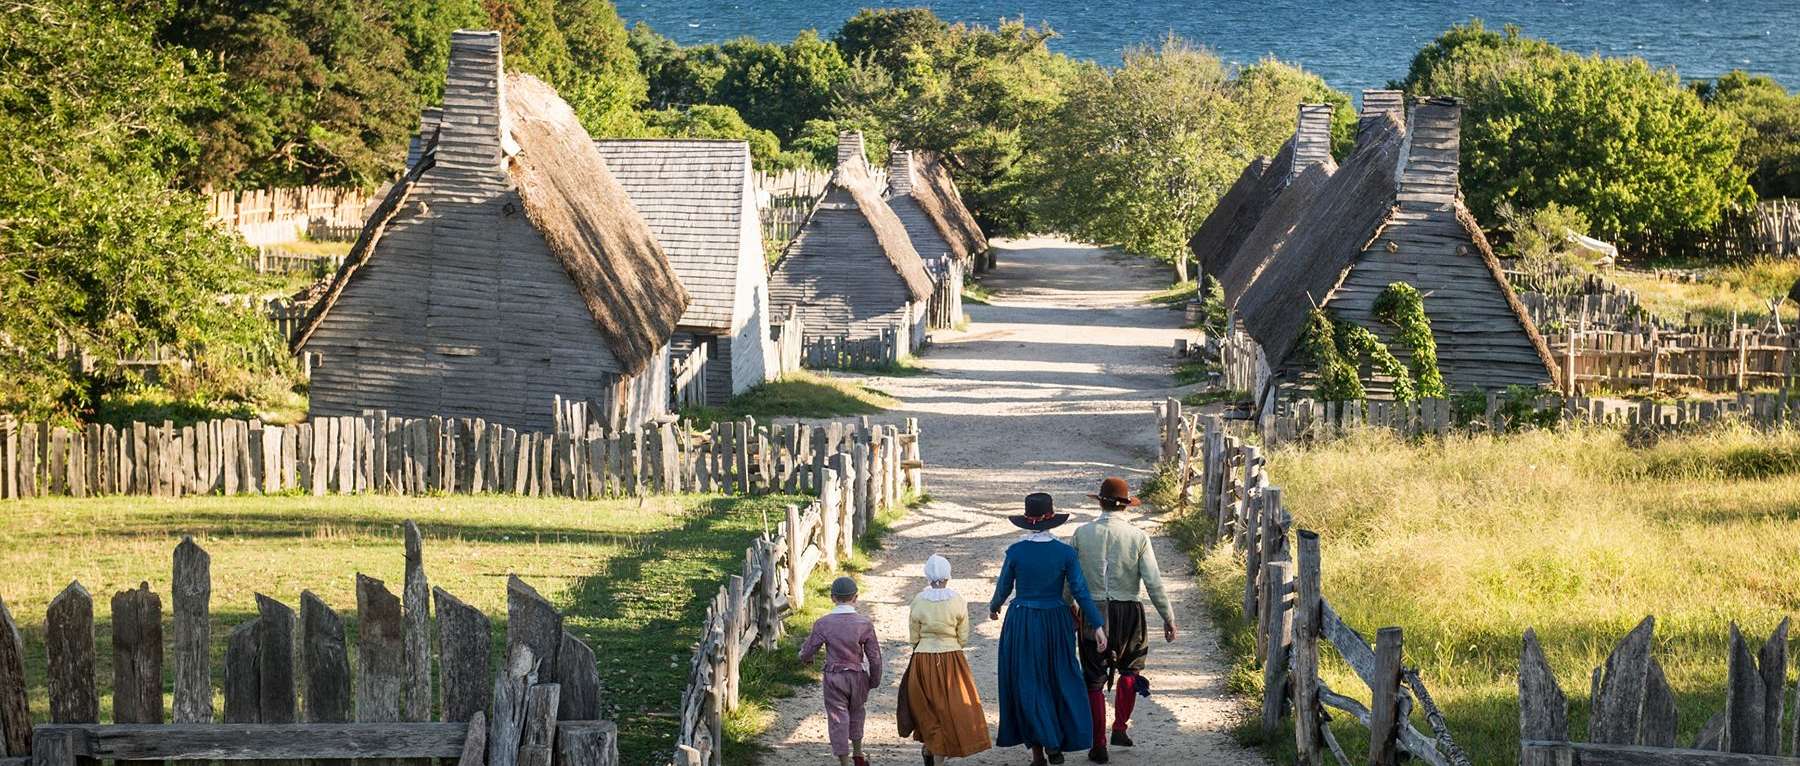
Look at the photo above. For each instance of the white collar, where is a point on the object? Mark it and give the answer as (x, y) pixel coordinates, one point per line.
(937, 594)
(1038, 537)
(844, 609)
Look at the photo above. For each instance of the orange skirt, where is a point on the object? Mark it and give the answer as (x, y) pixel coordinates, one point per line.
(940, 707)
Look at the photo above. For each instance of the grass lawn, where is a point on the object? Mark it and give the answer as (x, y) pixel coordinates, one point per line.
(973, 292)
(632, 577)
(1175, 295)
(803, 394)
(1744, 289)
(1465, 543)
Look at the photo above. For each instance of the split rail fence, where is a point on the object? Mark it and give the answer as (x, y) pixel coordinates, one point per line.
(1633, 716)
(539, 707)
(410, 456)
(1283, 599)
(875, 473)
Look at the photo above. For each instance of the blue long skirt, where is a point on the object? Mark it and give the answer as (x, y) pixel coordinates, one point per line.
(1043, 700)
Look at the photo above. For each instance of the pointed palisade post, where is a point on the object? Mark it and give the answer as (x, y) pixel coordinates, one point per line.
(416, 595)
(191, 592)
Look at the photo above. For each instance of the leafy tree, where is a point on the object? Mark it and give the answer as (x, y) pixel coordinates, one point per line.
(1139, 155)
(1270, 91)
(968, 92)
(774, 87)
(1770, 120)
(98, 253)
(315, 91)
(1621, 142)
(707, 121)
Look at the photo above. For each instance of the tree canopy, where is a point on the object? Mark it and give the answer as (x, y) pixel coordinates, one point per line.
(1625, 144)
(1769, 118)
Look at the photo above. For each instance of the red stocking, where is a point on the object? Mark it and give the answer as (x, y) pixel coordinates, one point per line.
(1097, 709)
(1124, 700)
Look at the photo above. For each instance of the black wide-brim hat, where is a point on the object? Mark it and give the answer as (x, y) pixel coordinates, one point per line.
(1040, 514)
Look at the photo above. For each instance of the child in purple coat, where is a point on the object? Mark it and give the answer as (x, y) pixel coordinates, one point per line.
(852, 665)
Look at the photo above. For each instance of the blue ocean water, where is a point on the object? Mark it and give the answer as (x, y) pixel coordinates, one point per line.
(1353, 45)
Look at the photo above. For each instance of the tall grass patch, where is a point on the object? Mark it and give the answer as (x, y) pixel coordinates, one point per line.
(1579, 534)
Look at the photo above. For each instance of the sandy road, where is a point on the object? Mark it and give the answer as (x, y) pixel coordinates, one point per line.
(1049, 390)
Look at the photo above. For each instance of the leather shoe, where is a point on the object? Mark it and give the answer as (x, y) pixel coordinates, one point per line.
(1055, 756)
(1098, 755)
(1120, 739)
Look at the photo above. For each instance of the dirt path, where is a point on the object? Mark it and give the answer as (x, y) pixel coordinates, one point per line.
(1049, 390)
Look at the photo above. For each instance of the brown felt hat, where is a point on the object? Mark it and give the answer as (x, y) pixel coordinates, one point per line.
(1114, 490)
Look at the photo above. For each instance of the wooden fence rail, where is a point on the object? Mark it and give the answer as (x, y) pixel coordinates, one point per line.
(281, 215)
(541, 706)
(1633, 717)
(877, 469)
(1721, 360)
(1283, 600)
(1311, 420)
(378, 453)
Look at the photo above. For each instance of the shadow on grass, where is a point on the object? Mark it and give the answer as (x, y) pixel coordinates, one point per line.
(797, 395)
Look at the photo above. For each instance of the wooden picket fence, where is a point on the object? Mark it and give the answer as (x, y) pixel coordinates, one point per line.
(410, 456)
(1283, 599)
(1722, 360)
(946, 308)
(272, 259)
(1633, 717)
(281, 215)
(540, 707)
(880, 467)
(837, 352)
(789, 339)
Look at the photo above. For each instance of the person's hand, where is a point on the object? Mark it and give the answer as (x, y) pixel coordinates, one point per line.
(993, 614)
(1169, 632)
(1100, 640)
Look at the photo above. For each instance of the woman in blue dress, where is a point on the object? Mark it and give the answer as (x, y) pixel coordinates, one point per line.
(1043, 699)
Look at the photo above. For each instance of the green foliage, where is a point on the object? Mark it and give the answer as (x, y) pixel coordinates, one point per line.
(1214, 312)
(99, 253)
(1137, 156)
(1769, 118)
(1626, 144)
(774, 87)
(1270, 90)
(1516, 409)
(1356, 343)
(1338, 380)
(707, 121)
(1401, 306)
(1538, 239)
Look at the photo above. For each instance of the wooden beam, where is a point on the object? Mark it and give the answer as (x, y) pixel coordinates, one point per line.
(1596, 754)
(250, 742)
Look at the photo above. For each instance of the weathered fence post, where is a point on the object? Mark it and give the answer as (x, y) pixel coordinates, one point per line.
(1305, 651)
(1543, 710)
(1384, 704)
(191, 591)
(15, 707)
(1278, 625)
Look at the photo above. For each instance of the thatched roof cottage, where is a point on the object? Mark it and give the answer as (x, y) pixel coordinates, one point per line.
(1286, 190)
(1221, 237)
(699, 198)
(852, 270)
(943, 232)
(506, 268)
(1394, 213)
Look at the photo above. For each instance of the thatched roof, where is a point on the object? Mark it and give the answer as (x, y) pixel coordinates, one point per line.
(1322, 241)
(1231, 219)
(584, 215)
(1287, 199)
(854, 178)
(589, 223)
(921, 175)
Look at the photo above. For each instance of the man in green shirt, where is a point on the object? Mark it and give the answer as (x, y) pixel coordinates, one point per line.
(1116, 558)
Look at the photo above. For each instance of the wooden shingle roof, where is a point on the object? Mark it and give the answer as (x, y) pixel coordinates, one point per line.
(692, 193)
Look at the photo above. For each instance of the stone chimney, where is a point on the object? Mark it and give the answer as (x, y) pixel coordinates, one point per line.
(850, 149)
(1428, 170)
(472, 128)
(900, 171)
(1312, 138)
(1379, 102)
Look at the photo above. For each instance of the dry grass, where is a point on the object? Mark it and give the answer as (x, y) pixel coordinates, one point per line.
(1744, 289)
(1468, 542)
(802, 394)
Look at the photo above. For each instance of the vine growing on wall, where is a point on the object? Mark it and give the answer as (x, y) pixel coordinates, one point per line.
(1402, 307)
(1338, 348)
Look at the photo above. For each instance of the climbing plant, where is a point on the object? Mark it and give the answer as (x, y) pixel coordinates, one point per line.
(1337, 349)
(1360, 343)
(1402, 307)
